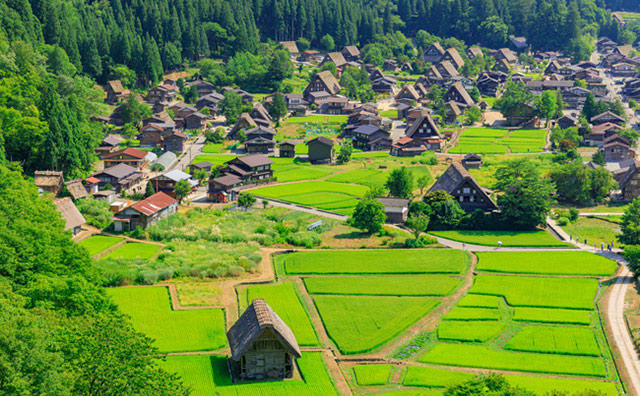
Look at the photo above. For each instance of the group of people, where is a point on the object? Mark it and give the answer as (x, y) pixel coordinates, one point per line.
(595, 245)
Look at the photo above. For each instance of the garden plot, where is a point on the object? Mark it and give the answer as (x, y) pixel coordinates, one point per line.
(284, 300)
(173, 331)
(555, 339)
(361, 324)
(99, 243)
(500, 141)
(390, 285)
(469, 331)
(541, 292)
(508, 238)
(133, 251)
(467, 355)
(208, 375)
(380, 261)
(372, 374)
(547, 315)
(546, 263)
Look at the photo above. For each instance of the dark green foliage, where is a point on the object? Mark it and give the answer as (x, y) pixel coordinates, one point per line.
(400, 183)
(490, 385)
(149, 191)
(134, 111)
(278, 108)
(96, 212)
(632, 255)
(182, 189)
(630, 225)
(246, 200)
(231, 107)
(368, 216)
(578, 184)
(344, 154)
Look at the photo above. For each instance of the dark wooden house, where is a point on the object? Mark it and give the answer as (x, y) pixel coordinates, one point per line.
(396, 209)
(459, 183)
(472, 161)
(434, 53)
(424, 129)
(287, 149)
(321, 150)
(262, 346)
(175, 142)
(49, 181)
(323, 81)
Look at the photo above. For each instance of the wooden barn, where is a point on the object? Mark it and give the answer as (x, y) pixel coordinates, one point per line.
(262, 345)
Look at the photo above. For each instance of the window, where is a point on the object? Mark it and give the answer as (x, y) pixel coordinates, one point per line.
(466, 190)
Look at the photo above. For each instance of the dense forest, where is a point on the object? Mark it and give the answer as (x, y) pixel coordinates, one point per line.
(622, 5)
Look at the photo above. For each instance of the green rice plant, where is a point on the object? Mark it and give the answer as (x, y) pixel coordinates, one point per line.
(284, 300)
(216, 159)
(473, 331)
(466, 355)
(372, 374)
(367, 177)
(551, 263)
(173, 331)
(211, 148)
(484, 133)
(478, 301)
(413, 393)
(208, 375)
(545, 385)
(541, 292)
(434, 378)
(555, 339)
(376, 261)
(133, 251)
(99, 243)
(550, 315)
(472, 314)
(508, 238)
(397, 285)
(360, 324)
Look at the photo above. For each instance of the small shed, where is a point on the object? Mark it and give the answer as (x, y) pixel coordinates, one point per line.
(262, 346)
(287, 149)
(321, 150)
(49, 181)
(396, 209)
(472, 161)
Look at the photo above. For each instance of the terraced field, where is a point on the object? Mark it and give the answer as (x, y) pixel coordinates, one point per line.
(99, 243)
(500, 141)
(134, 250)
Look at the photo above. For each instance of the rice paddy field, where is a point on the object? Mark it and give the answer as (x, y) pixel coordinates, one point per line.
(173, 331)
(546, 315)
(555, 339)
(469, 331)
(546, 263)
(134, 250)
(500, 141)
(372, 374)
(378, 285)
(99, 243)
(508, 238)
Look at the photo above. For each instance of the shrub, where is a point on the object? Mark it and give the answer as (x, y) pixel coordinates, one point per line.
(421, 242)
(562, 221)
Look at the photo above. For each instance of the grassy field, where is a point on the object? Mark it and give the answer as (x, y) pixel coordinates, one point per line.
(173, 331)
(555, 339)
(134, 250)
(360, 324)
(391, 113)
(372, 374)
(211, 148)
(334, 197)
(99, 243)
(478, 301)
(322, 119)
(500, 141)
(483, 357)
(418, 261)
(508, 238)
(208, 375)
(367, 177)
(290, 169)
(400, 285)
(542, 292)
(284, 301)
(469, 331)
(594, 230)
(466, 314)
(546, 263)
(216, 159)
(550, 315)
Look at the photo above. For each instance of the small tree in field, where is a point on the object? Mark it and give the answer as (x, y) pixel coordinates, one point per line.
(423, 182)
(150, 190)
(418, 223)
(368, 216)
(344, 155)
(265, 203)
(182, 189)
(246, 200)
(400, 183)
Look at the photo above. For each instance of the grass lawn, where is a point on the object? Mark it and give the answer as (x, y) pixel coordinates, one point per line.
(550, 315)
(595, 230)
(555, 339)
(213, 148)
(610, 208)
(508, 238)
(465, 355)
(173, 331)
(216, 159)
(546, 263)
(134, 250)
(472, 314)
(99, 243)
(334, 197)
(284, 301)
(208, 375)
(490, 100)
(375, 261)
(372, 374)
(380, 285)
(469, 331)
(361, 324)
(540, 292)
(391, 113)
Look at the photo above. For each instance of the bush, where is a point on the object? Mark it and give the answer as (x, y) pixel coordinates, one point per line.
(96, 212)
(573, 215)
(421, 242)
(562, 221)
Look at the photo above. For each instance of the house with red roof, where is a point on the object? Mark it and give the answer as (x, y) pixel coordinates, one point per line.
(129, 156)
(146, 212)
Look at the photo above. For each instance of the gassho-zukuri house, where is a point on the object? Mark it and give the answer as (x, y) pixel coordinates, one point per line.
(262, 345)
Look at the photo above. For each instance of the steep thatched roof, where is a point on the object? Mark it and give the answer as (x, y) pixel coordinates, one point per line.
(69, 212)
(76, 189)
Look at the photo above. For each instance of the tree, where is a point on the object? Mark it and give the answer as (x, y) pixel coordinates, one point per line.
(589, 109)
(369, 215)
(149, 191)
(631, 135)
(400, 183)
(515, 100)
(423, 182)
(598, 158)
(630, 225)
(182, 189)
(417, 223)
(547, 106)
(231, 106)
(578, 184)
(494, 32)
(327, 42)
(278, 108)
(303, 44)
(190, 94)
(134, 111)
(265, 203)
(489, 385)
(246, 200)
(216, 136)
(474, 115)
(200, 175)
(561, 137)
(632, 255)
(344, 155)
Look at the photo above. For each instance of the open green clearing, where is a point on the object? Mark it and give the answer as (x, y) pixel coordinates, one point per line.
(467, 355)
(546, 263)
(134, 250)
(550, 315)
(210, 148)
(99, 243)
(440, 378)
(334, 197)
(500, 141)
(391, 113)
(469, 331)
(508, 238)
(594, 230)
(208, 375)
(360, 324)
(478, 301)
(543, 292)
(173, 331)
(380, 261)
(216, 159)
(396, 285)
(284, 301)
(372, 374)
(459, 313)
(555, 339)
